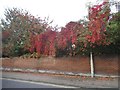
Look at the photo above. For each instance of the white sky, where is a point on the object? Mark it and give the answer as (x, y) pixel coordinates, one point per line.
(60, 11)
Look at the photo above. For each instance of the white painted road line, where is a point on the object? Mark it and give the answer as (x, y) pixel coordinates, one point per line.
(32, 82)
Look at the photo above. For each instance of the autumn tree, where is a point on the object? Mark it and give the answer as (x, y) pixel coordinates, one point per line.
(98, 19)
(18, 28)
(97, 25)
(69, 37)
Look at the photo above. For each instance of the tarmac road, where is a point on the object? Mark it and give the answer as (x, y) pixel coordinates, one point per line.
(12, 83)
(61, 81)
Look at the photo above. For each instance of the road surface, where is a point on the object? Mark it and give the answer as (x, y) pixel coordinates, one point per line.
(12, 83)
(64, 81)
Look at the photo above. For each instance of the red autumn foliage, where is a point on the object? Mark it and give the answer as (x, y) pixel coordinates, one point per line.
(43, 43)
(98, 18)
(38, 36)
(68, 33)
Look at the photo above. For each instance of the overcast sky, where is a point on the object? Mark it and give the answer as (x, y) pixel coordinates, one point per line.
(60, 11)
